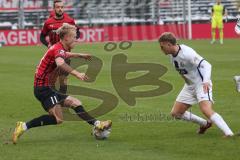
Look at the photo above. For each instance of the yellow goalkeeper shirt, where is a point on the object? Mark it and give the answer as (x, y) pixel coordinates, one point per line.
(218, 11)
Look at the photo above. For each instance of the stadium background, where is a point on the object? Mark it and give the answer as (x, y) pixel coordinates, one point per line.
(115, 20)
(144, 131)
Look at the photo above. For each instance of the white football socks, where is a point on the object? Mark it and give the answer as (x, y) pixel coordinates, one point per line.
(237, 81)
(188, 116)
(96, 123)
(221, 124)
(24, 126)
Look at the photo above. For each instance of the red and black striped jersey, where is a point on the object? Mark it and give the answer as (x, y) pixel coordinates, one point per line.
(47, 72)
(52, 24)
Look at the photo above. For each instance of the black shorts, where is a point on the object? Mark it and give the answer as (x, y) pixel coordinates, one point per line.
(48, 97)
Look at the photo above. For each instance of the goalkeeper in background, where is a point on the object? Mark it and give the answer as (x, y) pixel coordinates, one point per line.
(218, 11)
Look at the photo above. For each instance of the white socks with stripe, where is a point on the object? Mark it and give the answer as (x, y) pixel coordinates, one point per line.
(188, 116)
(221, 124)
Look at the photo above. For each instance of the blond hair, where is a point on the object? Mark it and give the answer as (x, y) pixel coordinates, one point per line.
(65, 29)
(168, 37)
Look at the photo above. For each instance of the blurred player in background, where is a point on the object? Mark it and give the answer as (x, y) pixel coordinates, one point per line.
(196, 72)
(55, 20)
(44, 83)
(237, 78)
(53, 14)
(218, 11)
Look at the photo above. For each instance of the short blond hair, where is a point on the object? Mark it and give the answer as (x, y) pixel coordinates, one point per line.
(168, 37)
(65, 29)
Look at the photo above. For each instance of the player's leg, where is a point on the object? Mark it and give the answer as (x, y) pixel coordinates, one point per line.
(237, 81)
(179, 111)
(205, 101)
(54, 117)
(220, 26)
(184, 100)
(213, 35)
(77, 106)
(206, 108)
(221, 34)
(50, 103)
(213, 26)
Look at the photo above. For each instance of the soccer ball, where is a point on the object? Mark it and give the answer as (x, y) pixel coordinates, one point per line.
(101, 134)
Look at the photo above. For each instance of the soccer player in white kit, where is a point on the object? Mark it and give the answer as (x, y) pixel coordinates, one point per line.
(196, 72)
(237, 77)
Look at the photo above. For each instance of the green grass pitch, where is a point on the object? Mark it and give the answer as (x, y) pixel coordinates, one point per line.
(131, 139)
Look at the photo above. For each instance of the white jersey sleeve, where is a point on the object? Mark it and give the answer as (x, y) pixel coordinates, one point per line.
(205, 69)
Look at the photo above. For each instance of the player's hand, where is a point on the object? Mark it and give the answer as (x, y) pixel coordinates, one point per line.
(206, 87)
(86, 56)
(82, 76)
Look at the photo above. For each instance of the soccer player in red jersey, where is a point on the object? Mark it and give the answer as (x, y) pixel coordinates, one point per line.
(54, 22)
(45, 77)
(53, 14)
(56, 19)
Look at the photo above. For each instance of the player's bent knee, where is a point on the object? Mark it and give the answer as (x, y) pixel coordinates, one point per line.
(73, 102)
(59, 121)
(175, 114)
(76, 103)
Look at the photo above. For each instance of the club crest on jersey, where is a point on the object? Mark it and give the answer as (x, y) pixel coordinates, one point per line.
(181, 64)
(62, 52)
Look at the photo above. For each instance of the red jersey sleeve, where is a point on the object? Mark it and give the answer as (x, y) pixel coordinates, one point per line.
(59, 53)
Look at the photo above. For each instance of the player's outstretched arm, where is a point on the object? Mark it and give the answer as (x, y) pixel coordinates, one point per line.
(79, 55)
(65, 67)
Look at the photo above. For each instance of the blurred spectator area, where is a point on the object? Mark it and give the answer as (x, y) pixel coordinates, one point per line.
(172, 10)
(111, 12)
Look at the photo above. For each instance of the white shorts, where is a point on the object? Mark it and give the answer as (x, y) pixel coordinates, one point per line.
(193, 94)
